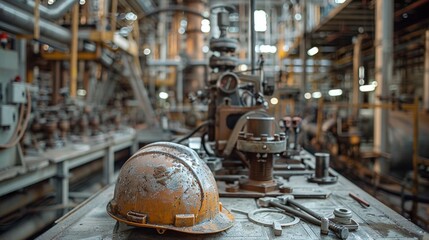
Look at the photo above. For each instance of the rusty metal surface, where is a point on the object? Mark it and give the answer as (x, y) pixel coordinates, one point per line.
(91, 220)
(167, 186)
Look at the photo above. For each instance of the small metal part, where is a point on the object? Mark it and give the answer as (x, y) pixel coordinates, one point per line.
(232, 188)
(321, 174)
(277, 228)
(324, 226)
(270, 217)
(285, 189)
(359, 200)
(343, 215)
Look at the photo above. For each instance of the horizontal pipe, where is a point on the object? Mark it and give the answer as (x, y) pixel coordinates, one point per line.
(52, 12)
(9, 14)
(30, 225)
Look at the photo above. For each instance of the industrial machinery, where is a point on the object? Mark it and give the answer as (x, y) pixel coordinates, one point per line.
(15, 107)
(243, 173)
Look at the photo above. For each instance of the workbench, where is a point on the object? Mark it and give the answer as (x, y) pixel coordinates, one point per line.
(91, 221)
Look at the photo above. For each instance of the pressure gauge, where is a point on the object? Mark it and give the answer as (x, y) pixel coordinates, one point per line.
(228, 82)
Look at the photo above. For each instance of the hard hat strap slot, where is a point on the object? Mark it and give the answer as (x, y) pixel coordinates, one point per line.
(137, 217)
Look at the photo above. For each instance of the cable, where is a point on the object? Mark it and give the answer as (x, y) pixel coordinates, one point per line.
(20, 130)
(179, 140)
(203, 142)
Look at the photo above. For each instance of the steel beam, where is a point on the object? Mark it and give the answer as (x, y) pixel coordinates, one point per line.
(383, 68)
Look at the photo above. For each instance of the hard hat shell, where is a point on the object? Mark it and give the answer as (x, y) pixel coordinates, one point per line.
(167, 186)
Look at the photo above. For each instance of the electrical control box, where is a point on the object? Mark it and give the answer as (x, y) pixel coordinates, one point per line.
(16, 93)
(8, 115)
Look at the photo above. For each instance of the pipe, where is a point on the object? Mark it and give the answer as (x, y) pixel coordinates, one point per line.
(30, 225)
(252, 36)
(52, 12)
(383, 69)
(22, 20)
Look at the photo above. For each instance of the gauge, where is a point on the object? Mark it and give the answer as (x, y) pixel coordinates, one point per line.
(228, 82)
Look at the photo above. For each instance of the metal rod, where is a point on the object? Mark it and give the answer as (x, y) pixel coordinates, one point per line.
(36, 19)
(252, 35)
(360, 200)
(73, 49)
(415, 190)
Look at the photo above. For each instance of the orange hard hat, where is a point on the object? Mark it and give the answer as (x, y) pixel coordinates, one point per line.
(167, 186)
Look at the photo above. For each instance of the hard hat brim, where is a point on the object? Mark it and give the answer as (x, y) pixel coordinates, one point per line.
(221, 222)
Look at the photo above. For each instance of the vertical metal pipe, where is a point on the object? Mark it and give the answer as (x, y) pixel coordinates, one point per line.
(357, 62)
(73, 50)
(56, 83)
(22, 58)
(303, 49)
(36, 19)
(415, 189)
(383, 68)
(426, 74)
(252, 35)
(113, 15)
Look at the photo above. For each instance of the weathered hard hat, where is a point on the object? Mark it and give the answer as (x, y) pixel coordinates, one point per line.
(167, 186)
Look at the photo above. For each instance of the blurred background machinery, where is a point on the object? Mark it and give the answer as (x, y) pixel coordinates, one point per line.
(254, 87)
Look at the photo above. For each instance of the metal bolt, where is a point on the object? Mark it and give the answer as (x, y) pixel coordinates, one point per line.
(324, 226)
(276, 137)
(264, 137)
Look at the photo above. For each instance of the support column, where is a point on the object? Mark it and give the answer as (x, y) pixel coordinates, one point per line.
(426, 74)
(383, 68)
(357, 62)
(303, 50)
(62, 185)
(108, 165)
(73, 49)
(252, 36)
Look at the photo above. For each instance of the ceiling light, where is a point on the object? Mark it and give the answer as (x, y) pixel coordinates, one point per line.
(131, 16)
(205, 49)
(312, 51)
(260, 21)
(367, 88)
(146, 51)
(316, 95)
(163, 95)
(335, 92)
(242, 67)
(81, 92)
(307, 95)
(274, 101)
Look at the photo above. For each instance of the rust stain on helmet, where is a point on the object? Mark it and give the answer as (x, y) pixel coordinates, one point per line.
(167, 186)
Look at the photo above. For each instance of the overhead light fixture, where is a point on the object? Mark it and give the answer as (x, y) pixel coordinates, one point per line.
(81, 92)
(205, 26)
(163, 95)
(146, 51)
(260, 21)
(81, 2)
(274, 101)
(312, 51)
(265, 49)
(307, 95)
(242, 67)
(335, 92)
(367, 88)
(316, 95)
(205, 49)
(339, 1)
(131, 16)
